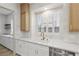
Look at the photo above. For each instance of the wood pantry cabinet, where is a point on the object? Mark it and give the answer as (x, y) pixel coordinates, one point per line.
(25, 17)
(74, 17)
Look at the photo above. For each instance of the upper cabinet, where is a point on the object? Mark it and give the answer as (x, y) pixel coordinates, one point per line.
(74, 17)
(25, 17)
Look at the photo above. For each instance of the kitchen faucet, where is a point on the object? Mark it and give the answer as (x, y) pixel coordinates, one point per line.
(43, 37)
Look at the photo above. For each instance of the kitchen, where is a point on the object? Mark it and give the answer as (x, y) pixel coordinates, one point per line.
(40, 29)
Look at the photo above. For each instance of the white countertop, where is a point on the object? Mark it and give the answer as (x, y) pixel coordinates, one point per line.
(56, 43)
(7, 36)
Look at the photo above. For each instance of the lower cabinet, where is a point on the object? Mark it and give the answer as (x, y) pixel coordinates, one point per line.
(31, 49)
(21, 48)
(38, 50)
(7, 42)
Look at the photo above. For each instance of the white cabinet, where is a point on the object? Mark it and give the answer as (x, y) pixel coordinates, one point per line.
(25, 49)
(21, 48)
(38, 50)
(18, 47)
(7, 42)
(31, 49)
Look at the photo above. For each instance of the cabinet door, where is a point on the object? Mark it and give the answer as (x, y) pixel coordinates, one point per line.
(74, 17)
(1, 40)
(4, 41)
(38, 50)
(25, 49)
(24, 8)
(7, 42)
(23, 22)
(12, 44)
(44, 51)
(32, 50)
(22, 48)
(18, 47)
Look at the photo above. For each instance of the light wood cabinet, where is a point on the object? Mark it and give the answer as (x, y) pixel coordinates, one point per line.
(74, 17)
(25, 17)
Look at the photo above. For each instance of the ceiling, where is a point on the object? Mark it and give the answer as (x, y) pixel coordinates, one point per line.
(5, 11)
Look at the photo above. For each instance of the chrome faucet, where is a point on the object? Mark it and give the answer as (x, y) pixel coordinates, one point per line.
(43, 37)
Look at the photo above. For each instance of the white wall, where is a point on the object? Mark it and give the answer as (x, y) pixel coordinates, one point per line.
(16, 8)
(11, 6)
(2, 22)
(72, 37)
(64, 35)
(64, 23)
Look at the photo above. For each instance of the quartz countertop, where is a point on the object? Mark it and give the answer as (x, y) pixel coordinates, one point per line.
(56, 44)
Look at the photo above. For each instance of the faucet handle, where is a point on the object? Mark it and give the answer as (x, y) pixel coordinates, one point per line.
(42, 34)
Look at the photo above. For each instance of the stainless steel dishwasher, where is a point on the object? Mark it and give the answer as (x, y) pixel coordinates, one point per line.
(60, 52)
